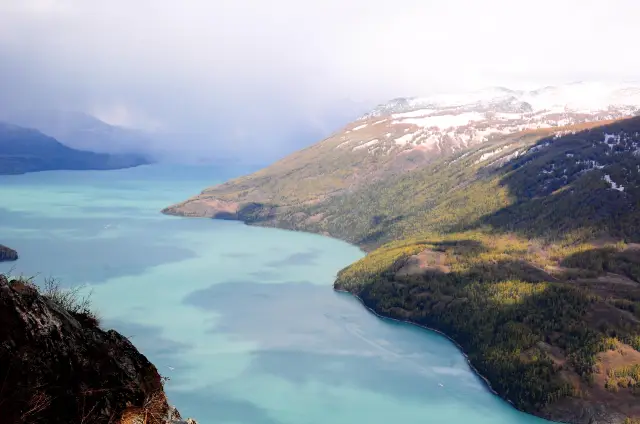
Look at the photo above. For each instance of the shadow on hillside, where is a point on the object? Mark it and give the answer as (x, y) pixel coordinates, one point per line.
(560, 187)
(606, 260)
(250, 213)
(460, 247)
(383, 223)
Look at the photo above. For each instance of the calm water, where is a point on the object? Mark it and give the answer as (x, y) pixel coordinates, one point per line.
(242, 320)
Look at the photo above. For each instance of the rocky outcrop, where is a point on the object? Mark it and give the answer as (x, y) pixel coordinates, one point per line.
(7, 254)
(58, 366)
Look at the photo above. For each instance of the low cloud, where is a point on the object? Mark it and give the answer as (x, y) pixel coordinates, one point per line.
(257, 78)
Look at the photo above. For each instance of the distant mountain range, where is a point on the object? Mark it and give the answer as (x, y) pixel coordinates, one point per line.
(81, 131)
(29, 150)
(508, 220)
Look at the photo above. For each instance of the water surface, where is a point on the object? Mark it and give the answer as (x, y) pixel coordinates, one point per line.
(243, 320)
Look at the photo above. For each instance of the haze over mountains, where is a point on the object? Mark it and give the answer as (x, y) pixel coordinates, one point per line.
(82, 131)
(29, 150)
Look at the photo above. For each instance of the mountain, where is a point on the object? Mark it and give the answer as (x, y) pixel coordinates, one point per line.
(407, 134)
(526, 253)
(522, 247)
(58, 366)
(81, 131)
(27, 150)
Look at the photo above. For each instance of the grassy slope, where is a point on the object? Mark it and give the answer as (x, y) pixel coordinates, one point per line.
(309, 176)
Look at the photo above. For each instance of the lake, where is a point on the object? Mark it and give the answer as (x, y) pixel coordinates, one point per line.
(243, 320)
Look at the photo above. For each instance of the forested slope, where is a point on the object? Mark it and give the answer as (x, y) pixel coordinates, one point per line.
(526, 256)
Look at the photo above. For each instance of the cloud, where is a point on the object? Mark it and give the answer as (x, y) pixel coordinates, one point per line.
(258, 76)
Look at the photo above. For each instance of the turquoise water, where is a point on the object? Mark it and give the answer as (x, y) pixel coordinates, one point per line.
(243, 320)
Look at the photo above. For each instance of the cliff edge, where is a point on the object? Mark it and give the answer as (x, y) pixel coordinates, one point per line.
(58, 366)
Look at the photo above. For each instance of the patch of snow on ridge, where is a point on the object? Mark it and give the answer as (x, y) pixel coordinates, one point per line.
(508, 116)
(614, 186)
(414, 114)
(487, 155)
(359, 127)
(590, 165)
(367, 144)
(614, 137)
(443, 121)
(404, 139)
(538, 147)
(583, 96)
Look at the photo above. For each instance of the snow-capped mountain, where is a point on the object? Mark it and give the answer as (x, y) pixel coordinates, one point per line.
(445, 123)
(406, 134)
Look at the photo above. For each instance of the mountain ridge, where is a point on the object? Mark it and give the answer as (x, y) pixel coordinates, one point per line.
(29, 150)
(81, 131)
(374, 148)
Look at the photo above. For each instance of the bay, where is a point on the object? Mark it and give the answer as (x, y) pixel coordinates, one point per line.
(242, 320)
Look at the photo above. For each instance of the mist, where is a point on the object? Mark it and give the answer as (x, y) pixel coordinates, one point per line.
(256, 79)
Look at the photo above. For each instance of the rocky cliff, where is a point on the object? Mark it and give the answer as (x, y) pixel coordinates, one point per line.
(58, 366)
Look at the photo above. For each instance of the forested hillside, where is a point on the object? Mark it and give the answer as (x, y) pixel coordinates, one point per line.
(525, 254)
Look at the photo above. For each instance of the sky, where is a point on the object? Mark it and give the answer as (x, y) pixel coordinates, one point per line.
(264, 77)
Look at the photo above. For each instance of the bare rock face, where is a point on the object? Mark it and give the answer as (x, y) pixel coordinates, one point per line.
(58, 366)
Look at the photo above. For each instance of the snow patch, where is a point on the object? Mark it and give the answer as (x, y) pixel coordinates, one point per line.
(615, 138)
(367, 144)
(404, 139)
(359, 127)
(614, 186)
(538, 147)
(487, 155)
(589, 165)
(508, 116)
(443, 121)
(414, 114)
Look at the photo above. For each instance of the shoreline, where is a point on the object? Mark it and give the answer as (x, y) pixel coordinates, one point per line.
(424, 327)
(542, 415)
(485, 380)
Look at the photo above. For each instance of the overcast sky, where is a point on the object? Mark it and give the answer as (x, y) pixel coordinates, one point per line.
(258, 76)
